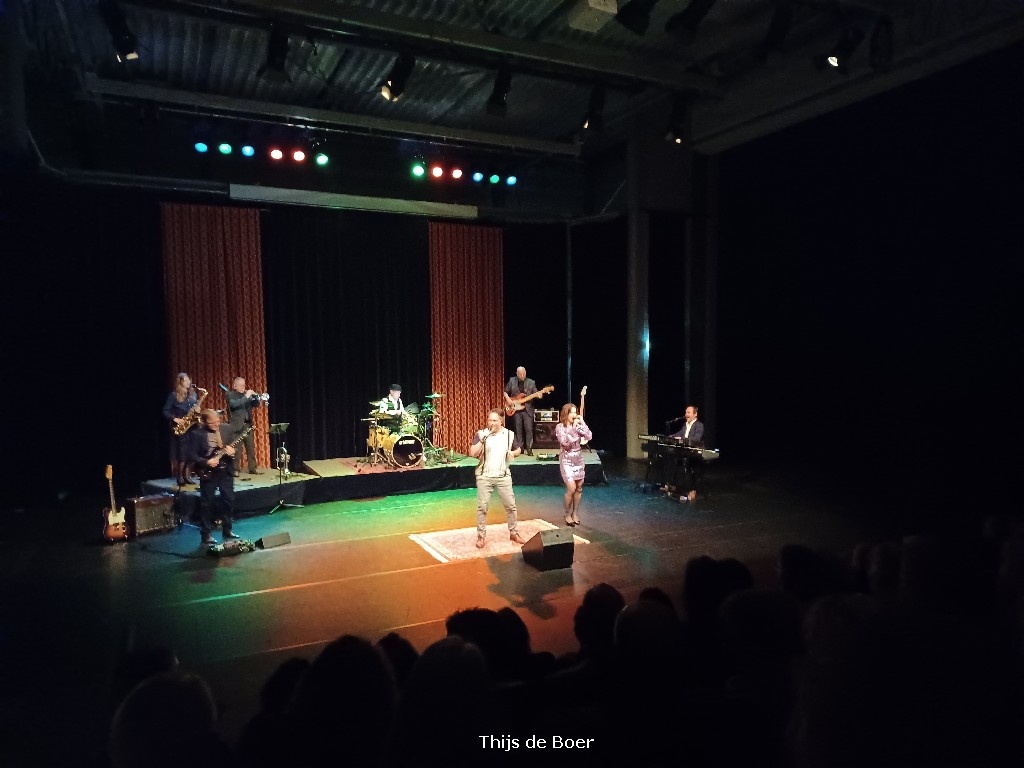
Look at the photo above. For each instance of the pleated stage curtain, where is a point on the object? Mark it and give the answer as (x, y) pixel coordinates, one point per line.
(467, 327)
(213, 291)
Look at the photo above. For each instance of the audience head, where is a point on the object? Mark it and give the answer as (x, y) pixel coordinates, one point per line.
(594, 621)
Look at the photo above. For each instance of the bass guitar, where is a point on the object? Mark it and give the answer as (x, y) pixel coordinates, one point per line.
(114, 528)
(205, 470)
(519, 402)
(583, 399)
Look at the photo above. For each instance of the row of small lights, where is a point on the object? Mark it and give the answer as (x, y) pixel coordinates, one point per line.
(420, 170)
(298, 155)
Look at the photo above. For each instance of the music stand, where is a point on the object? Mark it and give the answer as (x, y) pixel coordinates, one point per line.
(282, 457)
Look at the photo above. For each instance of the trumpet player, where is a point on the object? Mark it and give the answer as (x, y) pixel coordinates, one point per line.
(181, 402)
(241, 403)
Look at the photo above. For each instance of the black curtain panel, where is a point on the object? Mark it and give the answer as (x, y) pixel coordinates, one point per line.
(347, 308)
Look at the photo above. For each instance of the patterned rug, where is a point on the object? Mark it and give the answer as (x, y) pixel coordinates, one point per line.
(460, 544)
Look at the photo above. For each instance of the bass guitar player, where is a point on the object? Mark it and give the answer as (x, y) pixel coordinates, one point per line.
(519, 395)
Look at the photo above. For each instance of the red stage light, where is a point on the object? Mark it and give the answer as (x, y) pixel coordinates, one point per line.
(298, 155)
(456, 173)
(437, 171)
(277, 154)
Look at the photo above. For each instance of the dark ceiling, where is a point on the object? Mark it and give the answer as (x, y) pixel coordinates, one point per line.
(718, 73)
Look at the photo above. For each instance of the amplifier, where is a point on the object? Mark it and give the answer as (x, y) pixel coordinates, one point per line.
(547, 415)
(544, 435)
(150, 514)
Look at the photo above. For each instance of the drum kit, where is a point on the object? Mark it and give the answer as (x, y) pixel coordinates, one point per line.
(405, 440)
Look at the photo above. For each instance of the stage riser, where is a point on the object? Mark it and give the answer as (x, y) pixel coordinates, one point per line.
(251, 500)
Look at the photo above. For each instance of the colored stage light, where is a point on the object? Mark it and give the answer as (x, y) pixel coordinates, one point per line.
(478, 176)
(437, 171)
(322, 159)
(456, 173)
(201, 147)
(298, 155)
(419, 170)
(494, 178)
(248, 151)
(511, 181)
(225, 149)
(276, 154)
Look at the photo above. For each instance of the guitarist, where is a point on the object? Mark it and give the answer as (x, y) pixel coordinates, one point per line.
(522, 420)
(212, 459)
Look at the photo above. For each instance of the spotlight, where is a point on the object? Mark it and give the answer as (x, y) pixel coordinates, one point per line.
(276, 154)
(511, 181)
(636, 15)
(224, 149)
(839, 56)
(593, 120)
(248, 150)
(684, 24)
(394, 84)
(478, 176)
(277, 54)
(201, 147)
(123, 39)
(676, 131)
(298, 155)
(499, 94)
(322, 159)
(495, 178)
(456, 173)
(437, 171)
(419, 170)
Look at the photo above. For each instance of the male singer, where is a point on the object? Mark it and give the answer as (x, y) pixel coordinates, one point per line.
(495, 447)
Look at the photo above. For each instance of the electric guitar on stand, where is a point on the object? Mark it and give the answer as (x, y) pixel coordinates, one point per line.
(583, 399)
(519, 402)
(114, 528)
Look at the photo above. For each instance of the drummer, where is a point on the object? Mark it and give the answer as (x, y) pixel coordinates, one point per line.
(392, 404)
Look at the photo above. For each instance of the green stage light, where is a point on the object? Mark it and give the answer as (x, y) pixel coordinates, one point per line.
(495, 178)
(225, 149)
(322, 159)
(419, 170)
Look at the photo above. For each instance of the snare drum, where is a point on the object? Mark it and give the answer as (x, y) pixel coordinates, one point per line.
(403, 450)
(376, 437)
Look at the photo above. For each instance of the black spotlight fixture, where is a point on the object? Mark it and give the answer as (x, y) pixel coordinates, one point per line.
(636, 15)
(393, 85)
(126, 47)
(677, 122)
(593, 120)
(496, 103)
(277, 54)
(684, 24)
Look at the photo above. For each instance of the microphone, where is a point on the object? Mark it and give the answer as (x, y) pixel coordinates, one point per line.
(223, 387)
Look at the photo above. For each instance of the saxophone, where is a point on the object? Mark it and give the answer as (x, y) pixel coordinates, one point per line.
(191, 418)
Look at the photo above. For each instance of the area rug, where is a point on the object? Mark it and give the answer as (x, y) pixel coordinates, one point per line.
(460, 544)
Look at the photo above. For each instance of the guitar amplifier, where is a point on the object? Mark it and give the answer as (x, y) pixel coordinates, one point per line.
(150, 514)
(544, 434)
(548, 415)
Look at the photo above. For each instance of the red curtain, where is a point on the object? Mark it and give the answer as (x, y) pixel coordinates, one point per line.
(213, 291)
(467, 327)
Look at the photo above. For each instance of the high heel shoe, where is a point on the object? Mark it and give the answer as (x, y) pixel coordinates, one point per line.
(569, 521)
(575, 520)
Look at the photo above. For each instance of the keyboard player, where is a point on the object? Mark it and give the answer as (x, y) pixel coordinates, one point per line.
(690, 434)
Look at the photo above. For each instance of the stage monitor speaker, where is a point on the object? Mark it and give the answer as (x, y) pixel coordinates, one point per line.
(544, 434)
(548, 550)
(273, 540)
(150, 514)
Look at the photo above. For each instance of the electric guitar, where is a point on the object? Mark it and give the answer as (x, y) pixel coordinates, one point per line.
(583, 398)
(114, 528)
(519, 402)
(205, 470)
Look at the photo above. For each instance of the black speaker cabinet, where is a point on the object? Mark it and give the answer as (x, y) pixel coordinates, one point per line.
(150, 514)
(544, 434)
(548, 550)
(273, 540)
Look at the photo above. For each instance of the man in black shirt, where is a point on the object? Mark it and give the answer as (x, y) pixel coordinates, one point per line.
(241, 402)
(212, 460)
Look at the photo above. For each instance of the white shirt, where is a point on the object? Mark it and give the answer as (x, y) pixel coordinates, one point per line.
(496, 448)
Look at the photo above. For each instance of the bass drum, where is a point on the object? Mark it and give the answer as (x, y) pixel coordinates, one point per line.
(403, 450)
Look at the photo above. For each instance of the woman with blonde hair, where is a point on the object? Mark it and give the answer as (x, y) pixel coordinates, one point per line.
(179, 403)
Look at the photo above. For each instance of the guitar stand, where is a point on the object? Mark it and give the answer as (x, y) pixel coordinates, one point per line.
(282, 468)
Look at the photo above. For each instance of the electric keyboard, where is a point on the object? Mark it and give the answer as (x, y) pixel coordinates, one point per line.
(675, 446)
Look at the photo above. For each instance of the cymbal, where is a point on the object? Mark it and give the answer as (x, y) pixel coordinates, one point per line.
(375, 403)
(434, 395)
(369, 419)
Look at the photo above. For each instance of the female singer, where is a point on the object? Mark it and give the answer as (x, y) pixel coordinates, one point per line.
(571, 428)
(179, 402)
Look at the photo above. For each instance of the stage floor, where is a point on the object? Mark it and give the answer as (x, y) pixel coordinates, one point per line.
(351, 566)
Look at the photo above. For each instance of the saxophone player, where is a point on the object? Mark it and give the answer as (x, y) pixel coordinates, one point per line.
(181, 402)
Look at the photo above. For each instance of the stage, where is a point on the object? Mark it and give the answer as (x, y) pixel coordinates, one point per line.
(326, 480)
